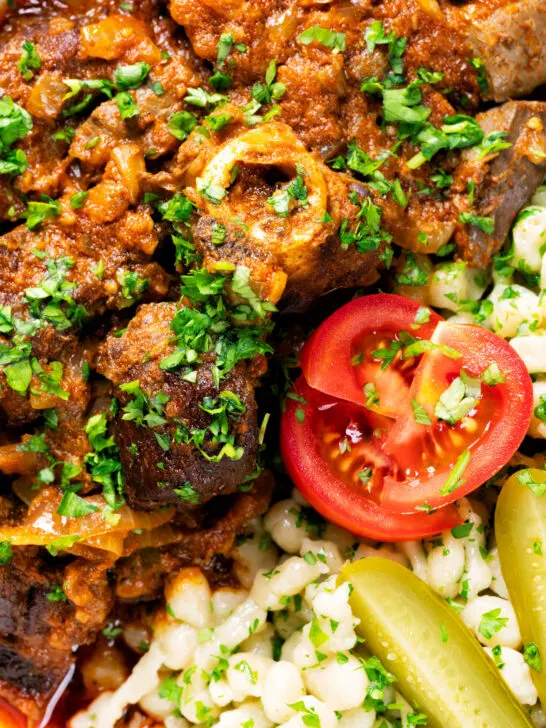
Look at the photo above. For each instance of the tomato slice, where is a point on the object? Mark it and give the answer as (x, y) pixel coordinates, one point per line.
(312, 428)
(338, 358)
(428, 410)
(478, 444)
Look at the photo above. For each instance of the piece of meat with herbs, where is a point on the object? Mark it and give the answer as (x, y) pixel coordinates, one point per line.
(269, 205)
(57, 70)
(242, 37)
(508, 40)
(502, 176)
(184, 436)
(53, 280)
(46, 610)
(141, 575)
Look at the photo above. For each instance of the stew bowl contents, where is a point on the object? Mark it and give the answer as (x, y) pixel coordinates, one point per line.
(272, 363)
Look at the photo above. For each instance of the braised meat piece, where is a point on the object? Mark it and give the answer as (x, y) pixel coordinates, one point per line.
(509, 37)
(141, 575)
(505, 180)
(182, 439)
(52, 281)
(68, 54)
(45, 611)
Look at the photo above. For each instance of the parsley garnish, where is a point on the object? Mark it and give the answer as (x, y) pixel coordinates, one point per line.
(182, 124)
(6, 553)
(525, 478)
(187, 493)
(531, 655)
(103, 463)
(130, 77)
(324, 36)
(454, 479)
(56, 594)
(74, 506)
(29, 61)
(295, 191)
(37, 212)
(126, 105)
(491, 623)
(486, 224)
(419, 413)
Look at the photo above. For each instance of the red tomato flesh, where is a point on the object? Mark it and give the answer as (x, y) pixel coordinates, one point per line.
(430, 410)
(488, 436)
(329, 479)
(338, 358)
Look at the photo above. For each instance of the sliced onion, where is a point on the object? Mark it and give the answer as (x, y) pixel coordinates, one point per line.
(14, 460)
(43, 525)
(162, 536)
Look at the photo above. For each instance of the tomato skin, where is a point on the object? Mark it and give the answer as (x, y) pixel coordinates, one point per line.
(332, 498)
(504, 433)
(326, 357)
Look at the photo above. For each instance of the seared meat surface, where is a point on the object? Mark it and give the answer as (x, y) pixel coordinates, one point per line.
(45, 611)
(509, 36)
(171, 174)
(205, 441)
(505, 182)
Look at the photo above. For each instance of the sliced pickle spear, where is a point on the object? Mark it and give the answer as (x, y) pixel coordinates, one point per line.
(520, 530)
(439, 665)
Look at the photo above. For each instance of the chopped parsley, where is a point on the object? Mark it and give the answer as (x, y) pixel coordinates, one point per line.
(419, 413)
(454, 479)
(133, 286)
(182, 124)
(295, 191)
(131, 77)
(187, 493)
(52, 301)
(126, 105)
(458, 399)
(325, 37)
(6, 553)
(103, 462)
(264, 94)
(77, 201)
(491, 623)
(367, 234)
(38, 211)
(56, 594)
(531, 655)
(74, 506)
(485, 224)
(540, 409)
(29, 61)
(526, 478)
(211, 325)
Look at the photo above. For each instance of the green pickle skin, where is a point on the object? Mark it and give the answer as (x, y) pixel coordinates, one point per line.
(520, 523)
(439, 665)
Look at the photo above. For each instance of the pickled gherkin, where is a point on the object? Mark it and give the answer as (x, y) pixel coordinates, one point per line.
(520, 528)
(439, 665)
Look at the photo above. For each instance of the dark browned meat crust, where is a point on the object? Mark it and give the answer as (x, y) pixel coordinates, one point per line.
(509, 36)
(153, 474)
(38, 631)
(505, 183)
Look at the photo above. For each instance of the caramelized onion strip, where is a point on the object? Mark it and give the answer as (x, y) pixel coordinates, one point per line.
(42, 524)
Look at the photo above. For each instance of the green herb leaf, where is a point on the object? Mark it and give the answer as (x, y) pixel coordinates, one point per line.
(324, 36)
(29, 61)
(491, 623)
(131, 77)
